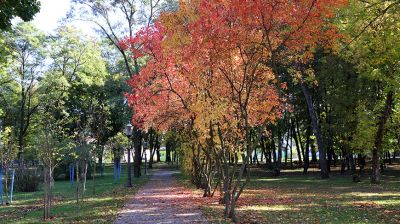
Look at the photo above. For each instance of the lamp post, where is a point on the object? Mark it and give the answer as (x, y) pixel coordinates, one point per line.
(128, 132)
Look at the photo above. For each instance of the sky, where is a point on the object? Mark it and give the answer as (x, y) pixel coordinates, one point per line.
(52, 11)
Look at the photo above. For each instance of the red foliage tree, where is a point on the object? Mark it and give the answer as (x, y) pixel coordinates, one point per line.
(212, 65)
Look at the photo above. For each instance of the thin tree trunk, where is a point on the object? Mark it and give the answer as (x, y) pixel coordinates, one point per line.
(343, 165)
(279, 149)
(307, 150)
(46, 190)
(138, 156)
(317, 131)
(85, 177)
(298, 134)
(273, 147)
(291, 150)
(375, 176)
(287, 146)
(51, 181)
(77, 182)
(294, 134)
(313, 151)
(21, 143)
(167, 152)
(330, 157)
(158, 154)
(94, 176)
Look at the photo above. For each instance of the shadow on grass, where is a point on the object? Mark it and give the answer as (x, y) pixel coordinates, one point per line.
(297, 198)
(101, 207)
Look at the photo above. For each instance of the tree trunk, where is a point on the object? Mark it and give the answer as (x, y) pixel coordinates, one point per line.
(389, 158)
(279, 149)
(387, 110)
(21, 134)
(294, 134)
(94, 176)
(317, 131)
(77, 182)
(138, 150)
(158, 154)
(167, 152)
(51, 180)
(84, 177)
(291, 150)
(330, 157)
(355, 177)
(151, 159)
(307, 151)
(46, 193)
(313, 151)
(100, 156)
(152, 137)
(343, 165)
(273, 147)
(286, 146)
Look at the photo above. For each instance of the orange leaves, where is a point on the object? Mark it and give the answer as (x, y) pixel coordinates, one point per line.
(212, 62)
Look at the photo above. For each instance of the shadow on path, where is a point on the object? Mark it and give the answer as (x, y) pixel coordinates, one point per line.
(162, 201)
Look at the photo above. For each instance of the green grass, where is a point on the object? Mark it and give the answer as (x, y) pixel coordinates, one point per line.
(297, 198)
(101, 207)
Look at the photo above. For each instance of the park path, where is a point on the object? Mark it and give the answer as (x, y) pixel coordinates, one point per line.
(162, 200)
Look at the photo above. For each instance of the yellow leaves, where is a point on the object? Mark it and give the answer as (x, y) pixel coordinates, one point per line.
(8, 148)
(366, 128)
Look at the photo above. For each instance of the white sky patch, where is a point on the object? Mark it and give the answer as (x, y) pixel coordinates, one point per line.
(51, 12)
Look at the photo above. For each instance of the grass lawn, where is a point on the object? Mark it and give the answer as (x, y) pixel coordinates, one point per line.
(99, 208)
(296, 198)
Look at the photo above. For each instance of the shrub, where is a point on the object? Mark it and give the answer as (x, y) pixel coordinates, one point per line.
(27, 180)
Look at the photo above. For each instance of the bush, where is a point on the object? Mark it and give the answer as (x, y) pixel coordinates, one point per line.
(27, 180)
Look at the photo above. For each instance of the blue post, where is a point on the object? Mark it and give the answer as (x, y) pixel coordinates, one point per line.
(70, 180)
(12, 186)
(73, 173)
(119, 171)
(115, 171)
(1, 185)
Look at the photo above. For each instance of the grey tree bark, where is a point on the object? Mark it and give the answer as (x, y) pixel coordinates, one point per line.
(317, 131)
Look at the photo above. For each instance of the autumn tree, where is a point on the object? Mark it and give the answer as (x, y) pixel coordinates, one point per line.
(214, 66)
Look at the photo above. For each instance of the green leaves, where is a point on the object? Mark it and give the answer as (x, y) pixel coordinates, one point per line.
(117, 144)
(8, 147)
(25, 9)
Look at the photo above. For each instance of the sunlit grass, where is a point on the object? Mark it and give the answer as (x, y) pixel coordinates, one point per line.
(265, 208)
